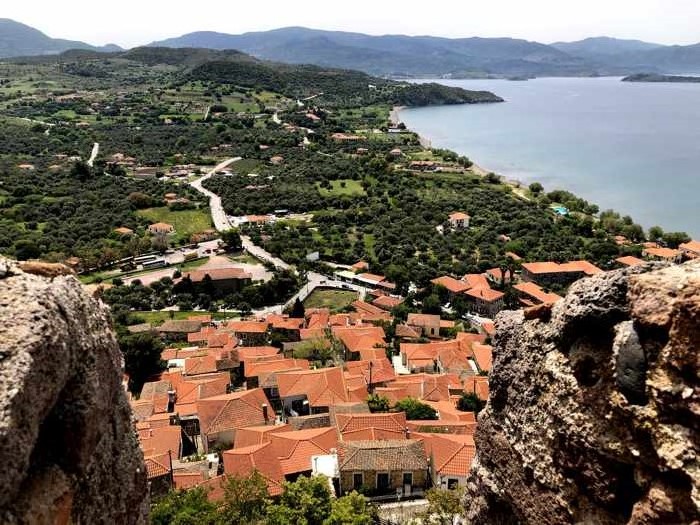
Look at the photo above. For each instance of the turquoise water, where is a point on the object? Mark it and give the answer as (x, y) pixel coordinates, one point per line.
(633, 147)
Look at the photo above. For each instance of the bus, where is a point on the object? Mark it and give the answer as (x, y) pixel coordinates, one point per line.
(144, 258)
(157, 263)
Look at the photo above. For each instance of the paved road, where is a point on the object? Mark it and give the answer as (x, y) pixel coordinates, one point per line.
(221, 222)
(93, 154)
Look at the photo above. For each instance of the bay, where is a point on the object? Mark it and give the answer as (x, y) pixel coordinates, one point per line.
(632, 147)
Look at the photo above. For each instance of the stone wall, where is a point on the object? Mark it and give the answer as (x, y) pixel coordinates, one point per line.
(595, 406)
(68, 450)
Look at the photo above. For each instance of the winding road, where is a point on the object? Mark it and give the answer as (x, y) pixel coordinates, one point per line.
(221, 222)
(93, 154)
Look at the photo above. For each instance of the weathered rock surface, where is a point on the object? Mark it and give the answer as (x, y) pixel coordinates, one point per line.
(594, 412)
(68, 453)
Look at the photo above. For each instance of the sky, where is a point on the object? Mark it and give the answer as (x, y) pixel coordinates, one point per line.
(134, 22)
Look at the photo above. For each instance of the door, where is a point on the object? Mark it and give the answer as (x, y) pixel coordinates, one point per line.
(407, 483)
(382, 481)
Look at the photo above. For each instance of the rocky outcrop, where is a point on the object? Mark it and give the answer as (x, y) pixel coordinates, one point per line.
(595, 406)
(68, 453)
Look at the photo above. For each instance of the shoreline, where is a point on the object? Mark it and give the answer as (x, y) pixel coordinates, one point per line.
(476, 169)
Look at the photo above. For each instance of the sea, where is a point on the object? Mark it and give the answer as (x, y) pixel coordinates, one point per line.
(631, 147)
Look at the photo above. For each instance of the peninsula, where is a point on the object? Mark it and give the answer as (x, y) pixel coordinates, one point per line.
(654, 77)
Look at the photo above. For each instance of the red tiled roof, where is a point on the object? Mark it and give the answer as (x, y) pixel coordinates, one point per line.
(254, 368)
(691, 246)
(160, 440)
(360, 265)
(372, 277)
(478, 385)
(232, 411)
(452, 454)
(552, 267)
(187, 480)
(475, 280)
(359, 338)
(323, 388)
(387, 302)
(247, 327)
(246, 437)
(423, 320)
(200, 365)
(157, 465)
(629, 260)
(485, 294)
(403, 330)
(537, 293)
(483, 355)
(351, 423)
(452, 284)
(661, 253)
(262, 458)
(382, 370)
(458, 215)
(295, 448)
(246, 353)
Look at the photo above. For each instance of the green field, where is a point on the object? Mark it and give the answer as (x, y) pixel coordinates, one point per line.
(158, 318)
(333, 299)
(351, 188)
(245, 166)
(186, 222)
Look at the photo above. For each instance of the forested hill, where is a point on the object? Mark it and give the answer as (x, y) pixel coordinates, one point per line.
(338, 86)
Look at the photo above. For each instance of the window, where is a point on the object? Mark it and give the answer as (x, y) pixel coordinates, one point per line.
(357, 480)
(407, 478)
(452, 483)
(382, 480)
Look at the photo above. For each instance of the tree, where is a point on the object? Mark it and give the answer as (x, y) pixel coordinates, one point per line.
(377, 403)
(305, 501)
(673, 239)
(536, 188)
(656, 233)
(141, 357)
(245, 499)
(470, 402)
(352, 509)
(316, 349)
(26, 249)
(443, 505)
(298, 310)
(432, 305)
(233, 240)
(190, 507)
(415, 410)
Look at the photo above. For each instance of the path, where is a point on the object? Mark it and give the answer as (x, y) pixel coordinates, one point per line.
(93, 155)
(219, 217)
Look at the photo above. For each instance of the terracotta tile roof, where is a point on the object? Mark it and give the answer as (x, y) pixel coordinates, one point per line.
(661, 253)
(255, 368)
(403, 330)
(552, 267)
(475, 280)
(469, 338)
(485, 294)
(452, 454)
(489, 328)
(247, 327)
(514, 256)
(198, 387)
(382, 370)
(360, 338)
(294, 449)
(249, 436)
(243, 461)
(203, 318)
(306, 334)
(352, 423)
(360, 266)
(423, 320)
(200, 365)
(452, 284)
(447, 411)
(629, 260)
(496, 275)
(187, 480)
(160, 440)
(218, 274)
(392, 393)
(386, 302)
(370, 310)
(372, 277)
(403, 455)
(157, 465)
(323, 388)
(478, 385)
(483, 355)
(246, 353)
(534, 291)
(318, 318)
(458, 215)
(691, 246)
(232, 411)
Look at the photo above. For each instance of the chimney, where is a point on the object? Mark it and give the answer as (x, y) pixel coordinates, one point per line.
(264, 410)
(407, 432)
(172, 397)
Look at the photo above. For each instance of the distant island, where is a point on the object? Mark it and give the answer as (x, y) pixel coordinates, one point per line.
(654, 77)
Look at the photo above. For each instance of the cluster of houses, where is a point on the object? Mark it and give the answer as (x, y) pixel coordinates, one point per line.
(230, 403)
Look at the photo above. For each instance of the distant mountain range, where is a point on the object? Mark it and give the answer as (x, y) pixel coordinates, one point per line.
(18, 39)
(398, 55)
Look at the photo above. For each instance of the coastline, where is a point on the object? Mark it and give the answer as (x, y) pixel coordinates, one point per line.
(476, 169)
